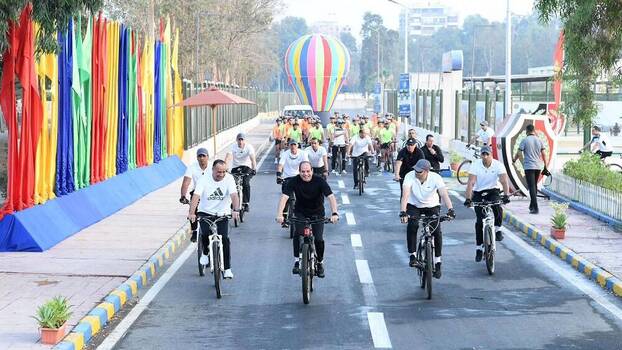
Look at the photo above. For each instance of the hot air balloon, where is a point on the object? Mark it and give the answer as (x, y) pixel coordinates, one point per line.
(316, 66)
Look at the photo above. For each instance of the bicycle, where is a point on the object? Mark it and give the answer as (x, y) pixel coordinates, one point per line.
(308, 263)
(239, 184)
(463, 169)
(425, 249)
(362, 173)
(216, 261)
(387, 158)
(339, 159)
(490, 242)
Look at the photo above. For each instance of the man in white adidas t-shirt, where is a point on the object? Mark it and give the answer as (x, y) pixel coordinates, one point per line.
(360, 146)
(289, 167)
(420, 196)
(193, 173)
(318, 157)
(244, 162)
(216, 193)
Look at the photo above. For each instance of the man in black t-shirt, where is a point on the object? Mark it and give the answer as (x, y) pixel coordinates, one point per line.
(310, 191)
(406, 160)
(433, 153)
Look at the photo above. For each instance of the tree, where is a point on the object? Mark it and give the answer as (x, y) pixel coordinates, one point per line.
(352, 81)
(593, 42)
(371, 30)
(52, 16)
(285, 32)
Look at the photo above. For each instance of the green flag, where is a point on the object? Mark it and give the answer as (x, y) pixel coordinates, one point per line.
(76, 92)
(86, 103)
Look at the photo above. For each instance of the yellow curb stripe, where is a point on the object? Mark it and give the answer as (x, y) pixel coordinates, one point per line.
(543, 240)
(588, 270)
(575, 262)
(94, 322)
(77, 339)
(143, 277)
(602, 277)
(617, 289)
(108, 307)
(563, 254)
(152, 268)
(167, 253)
(121, 294)
(552, 247)
(133, 286)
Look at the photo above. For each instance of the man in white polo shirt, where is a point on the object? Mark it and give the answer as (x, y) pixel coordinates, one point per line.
(483, 185)
(243, 163)
(360, 146)
(420, 196)
(318, 157)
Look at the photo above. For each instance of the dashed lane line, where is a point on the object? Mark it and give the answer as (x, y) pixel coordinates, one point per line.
(355, 238)
(345, 199)
(350, 218)
(341, 184)
(379, 332)
(362, 268)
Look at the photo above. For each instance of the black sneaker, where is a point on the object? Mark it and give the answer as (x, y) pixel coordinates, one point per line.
(319, 270)
(296, 269)
(413, 261)
(478, 255)
(246, 207)
(355, 186)
(284, 225)
(499, 236)
(193, 237)
(437, 270)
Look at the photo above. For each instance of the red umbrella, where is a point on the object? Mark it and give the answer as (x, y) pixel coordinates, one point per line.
(213, 97)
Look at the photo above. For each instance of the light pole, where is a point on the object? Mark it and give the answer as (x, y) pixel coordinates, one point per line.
(406, 31)
(508, 60)
(473, 49)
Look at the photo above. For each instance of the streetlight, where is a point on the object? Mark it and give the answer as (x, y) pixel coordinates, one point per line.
(508, 60)
(406, 31)
(473, 49)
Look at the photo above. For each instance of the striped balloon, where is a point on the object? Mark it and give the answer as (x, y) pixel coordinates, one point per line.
(316, 65)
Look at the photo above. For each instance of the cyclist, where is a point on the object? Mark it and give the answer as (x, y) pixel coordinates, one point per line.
(310, 192)
(318, 158)
(484, 134)
(217, 193)
(484, 175)
(288, 166)
(339, 141)
(406, 160)
(193, 174)
(244, 162)
(412, 134)
(317, 131)
(420, 196)
(386, 137)
(355, 127)
(360, 146)
(295, 133)
(367, 123)
(599, 143)
(277, 136)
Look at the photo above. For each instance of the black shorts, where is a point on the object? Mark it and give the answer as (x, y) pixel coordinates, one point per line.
(277, 142)
(385, 145)
(604, 155)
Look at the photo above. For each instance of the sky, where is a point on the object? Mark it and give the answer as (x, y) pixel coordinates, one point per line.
(350, 12)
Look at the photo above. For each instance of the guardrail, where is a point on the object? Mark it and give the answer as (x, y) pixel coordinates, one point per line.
(597, 198)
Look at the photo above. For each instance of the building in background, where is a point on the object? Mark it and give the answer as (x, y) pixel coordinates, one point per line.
(426, 17)
(329, 27)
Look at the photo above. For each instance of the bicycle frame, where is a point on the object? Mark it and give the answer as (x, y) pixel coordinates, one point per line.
(214, 237)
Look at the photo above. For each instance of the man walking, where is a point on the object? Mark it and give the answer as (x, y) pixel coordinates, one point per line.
(433, 153)
(533, 151)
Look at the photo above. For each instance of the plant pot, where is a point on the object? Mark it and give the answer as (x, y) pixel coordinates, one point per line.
(52, 336)
(558, 233)
(454, 166)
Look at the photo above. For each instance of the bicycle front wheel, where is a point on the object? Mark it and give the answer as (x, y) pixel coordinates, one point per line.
(305, 273)
(463, 172)
(615, 167)
(488, 251)
(361, 180)
(421, 271)
(429, 263)
(216, 267)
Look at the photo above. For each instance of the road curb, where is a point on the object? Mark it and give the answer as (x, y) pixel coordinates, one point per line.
(597, 274)
(101, 314)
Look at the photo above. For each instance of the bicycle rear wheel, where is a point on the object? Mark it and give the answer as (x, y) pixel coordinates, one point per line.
(614, 167)
(429, 262)
(489, 253)
(305, 273)
(199, 252)
(463, 172)
(216, 267)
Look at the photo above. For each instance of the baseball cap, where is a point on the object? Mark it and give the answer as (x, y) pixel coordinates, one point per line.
(202, 152)
(240, 136)
(292, 142)
(422, 164)
(411, 142)
(483, 123)
(485, 149)
(596, 127)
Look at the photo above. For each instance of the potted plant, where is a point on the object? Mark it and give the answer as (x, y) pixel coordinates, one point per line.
(52, 318)
(454, 160)
(559, 220)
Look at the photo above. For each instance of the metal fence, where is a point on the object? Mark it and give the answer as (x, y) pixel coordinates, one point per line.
(428, 110)
(198, 120)
(474, 106)
(600, 199)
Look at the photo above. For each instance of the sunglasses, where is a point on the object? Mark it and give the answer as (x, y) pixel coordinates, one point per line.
(485, 154)
(201, 156)
(418, 172)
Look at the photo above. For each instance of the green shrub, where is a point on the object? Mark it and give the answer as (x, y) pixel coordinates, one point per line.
(455, 157)
(590, 168)
(54, 313)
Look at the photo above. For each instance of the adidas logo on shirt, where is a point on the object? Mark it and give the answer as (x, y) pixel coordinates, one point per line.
(217, 195)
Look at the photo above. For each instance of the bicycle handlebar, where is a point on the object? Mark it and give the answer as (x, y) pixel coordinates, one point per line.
(487, 203)
(306, 221)
(209, 221)
(428, 218)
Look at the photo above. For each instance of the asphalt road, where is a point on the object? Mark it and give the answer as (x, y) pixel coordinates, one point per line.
(527, 304)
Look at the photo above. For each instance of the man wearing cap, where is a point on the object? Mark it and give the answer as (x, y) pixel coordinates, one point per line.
(420, 196)
(318, 157)
(288, 166)
(485, 134)
(244, 164)
(533, 152)
(406, 160)
(361, 146)
(599, 143)
(484, 175)
(193, 174)
(317, 131)
(295, 133)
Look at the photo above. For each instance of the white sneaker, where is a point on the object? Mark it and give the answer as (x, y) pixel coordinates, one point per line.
(344, 172)
(276, 161)
(228, 274)
(204, 260)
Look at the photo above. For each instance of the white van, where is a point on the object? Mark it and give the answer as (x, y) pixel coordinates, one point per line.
(297, 111)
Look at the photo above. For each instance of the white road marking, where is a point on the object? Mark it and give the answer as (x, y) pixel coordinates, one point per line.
(118, 333)
(341, 184)
(457, 195)
(269, 151)
(576, 279)
(350, 218)
(345, 199)
(355, 238)
(379, 332)
(363, 270)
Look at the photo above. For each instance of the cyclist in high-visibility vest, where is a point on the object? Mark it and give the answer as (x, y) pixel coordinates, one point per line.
(277, 136)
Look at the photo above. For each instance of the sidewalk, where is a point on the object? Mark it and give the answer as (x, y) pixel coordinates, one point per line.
(91, 263)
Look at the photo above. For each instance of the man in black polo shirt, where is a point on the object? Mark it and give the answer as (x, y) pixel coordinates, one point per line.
(406, 160)
(310, 192)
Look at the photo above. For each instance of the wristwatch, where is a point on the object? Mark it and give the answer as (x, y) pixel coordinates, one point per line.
(337, 214)
(236, 210)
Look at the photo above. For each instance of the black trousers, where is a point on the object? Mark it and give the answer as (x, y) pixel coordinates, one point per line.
(341, 149)
(223, 230)
(355, 167)
(246, 182)
(286, 203)
(532, 175)
(195, 224)
(319, 171)
(486, 195)
(413, 226)
(318, 237)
